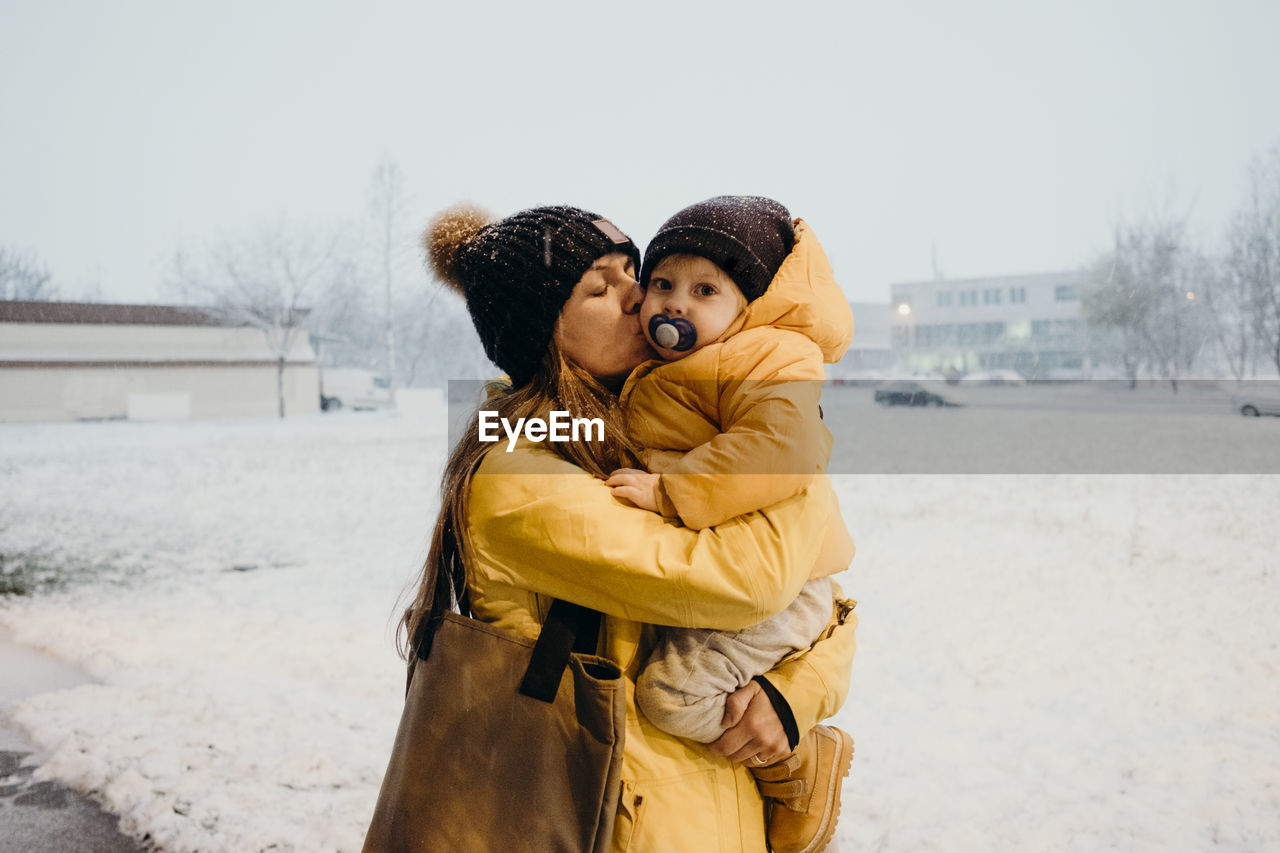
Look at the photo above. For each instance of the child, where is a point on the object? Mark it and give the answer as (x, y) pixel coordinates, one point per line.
(741, 305)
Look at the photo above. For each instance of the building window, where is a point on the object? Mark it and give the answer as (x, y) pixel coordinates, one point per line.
(944, 298)
(1065, 293)
(935, 335)
(1018, 330)
(1040, 329)
(1017, 295)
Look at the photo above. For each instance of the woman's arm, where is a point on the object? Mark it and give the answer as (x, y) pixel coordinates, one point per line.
(538, 522)
(814, 686)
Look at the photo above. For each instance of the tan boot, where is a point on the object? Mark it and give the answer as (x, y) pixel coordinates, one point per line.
(805, 791)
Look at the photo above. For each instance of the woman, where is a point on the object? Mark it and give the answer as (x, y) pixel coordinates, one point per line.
(553, 296)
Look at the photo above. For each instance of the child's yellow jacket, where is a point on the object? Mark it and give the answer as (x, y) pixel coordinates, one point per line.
(735, 426)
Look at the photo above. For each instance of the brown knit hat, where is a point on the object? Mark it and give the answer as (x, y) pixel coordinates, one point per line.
(517, 273)
(746, 236)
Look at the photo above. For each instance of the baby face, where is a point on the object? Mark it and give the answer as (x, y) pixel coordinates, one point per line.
(688, 303)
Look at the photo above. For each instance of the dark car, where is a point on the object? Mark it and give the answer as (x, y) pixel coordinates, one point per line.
(907, 394)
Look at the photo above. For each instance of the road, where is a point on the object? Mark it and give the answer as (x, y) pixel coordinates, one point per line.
(44, 817)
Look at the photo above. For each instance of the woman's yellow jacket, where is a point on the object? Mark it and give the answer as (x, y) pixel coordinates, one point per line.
(541, 528)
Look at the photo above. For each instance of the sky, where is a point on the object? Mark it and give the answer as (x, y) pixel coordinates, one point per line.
(1010, 136)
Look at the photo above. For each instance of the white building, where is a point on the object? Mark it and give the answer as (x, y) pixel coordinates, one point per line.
(1028, 323)
(81, 361)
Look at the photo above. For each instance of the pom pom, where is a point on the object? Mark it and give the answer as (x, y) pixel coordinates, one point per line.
(445, 236)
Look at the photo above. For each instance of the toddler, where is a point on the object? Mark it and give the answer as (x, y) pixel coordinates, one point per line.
(741, 305)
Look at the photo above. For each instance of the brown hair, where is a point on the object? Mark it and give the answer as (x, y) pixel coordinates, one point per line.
(557, 385)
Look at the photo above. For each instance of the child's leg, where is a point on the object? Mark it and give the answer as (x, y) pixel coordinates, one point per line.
(683, 686)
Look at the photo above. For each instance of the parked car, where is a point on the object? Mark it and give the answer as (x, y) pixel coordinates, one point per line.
(352, 388)
(1260, 401)
(907, 394)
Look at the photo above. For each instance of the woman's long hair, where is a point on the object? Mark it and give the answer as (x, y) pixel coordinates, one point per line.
(558, 385)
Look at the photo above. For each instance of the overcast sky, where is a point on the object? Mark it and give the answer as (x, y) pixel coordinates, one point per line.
(1012, 134)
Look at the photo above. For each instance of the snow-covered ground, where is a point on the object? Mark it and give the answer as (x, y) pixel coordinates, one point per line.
(1046, 662)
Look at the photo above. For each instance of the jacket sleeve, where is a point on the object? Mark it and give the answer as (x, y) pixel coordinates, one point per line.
(772, 441)
(540, 523)
(816, 683)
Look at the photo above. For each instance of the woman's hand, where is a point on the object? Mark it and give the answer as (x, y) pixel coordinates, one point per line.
(755, 736)
(639, 487)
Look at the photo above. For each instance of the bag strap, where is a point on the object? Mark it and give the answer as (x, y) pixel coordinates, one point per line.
(568, 628)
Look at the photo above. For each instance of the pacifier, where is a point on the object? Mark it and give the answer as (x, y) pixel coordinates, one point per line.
(673, 333)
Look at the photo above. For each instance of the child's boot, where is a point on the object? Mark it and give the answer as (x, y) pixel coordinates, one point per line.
(805, 790)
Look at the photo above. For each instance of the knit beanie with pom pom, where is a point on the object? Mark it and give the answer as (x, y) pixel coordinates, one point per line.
(517, 273)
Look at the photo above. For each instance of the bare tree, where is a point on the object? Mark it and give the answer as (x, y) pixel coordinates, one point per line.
(1115, 299)
(24, 277)
(435, 340)
(388, 204)
(1145, 288)
(264, 279)
(1252, 265)
(439, 341)
(347, 323)
(1186, 320)
(1228, 295)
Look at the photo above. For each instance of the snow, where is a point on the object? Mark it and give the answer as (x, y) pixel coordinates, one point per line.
(28, 672)
(250, 688)
(1065, 663)
(1046, 661)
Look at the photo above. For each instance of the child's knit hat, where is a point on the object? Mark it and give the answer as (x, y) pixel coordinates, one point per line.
(746, 236)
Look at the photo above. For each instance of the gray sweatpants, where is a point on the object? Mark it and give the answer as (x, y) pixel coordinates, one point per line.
(683, 686)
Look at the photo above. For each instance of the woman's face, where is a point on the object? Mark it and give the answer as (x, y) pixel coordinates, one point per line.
(599, 327)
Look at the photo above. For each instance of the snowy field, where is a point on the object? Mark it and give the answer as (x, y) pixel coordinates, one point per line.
(1047, 662)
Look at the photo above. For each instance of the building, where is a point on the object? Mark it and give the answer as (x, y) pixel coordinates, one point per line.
(1029, 323)
(81, 361)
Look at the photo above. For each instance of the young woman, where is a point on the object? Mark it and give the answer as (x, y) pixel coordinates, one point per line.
(553, 295)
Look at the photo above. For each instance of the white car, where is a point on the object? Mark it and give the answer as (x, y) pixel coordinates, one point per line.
(352, 388)
(1261, 398)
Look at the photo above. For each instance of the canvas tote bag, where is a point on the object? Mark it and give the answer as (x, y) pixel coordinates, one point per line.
(505, 744)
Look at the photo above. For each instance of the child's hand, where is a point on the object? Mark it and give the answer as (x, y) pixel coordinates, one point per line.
(639, 487)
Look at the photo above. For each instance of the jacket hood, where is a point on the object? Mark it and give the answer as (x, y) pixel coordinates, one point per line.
(804, 297)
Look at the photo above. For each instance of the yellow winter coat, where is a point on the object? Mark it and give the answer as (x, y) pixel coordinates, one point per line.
(736, 424)
(541, 528)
